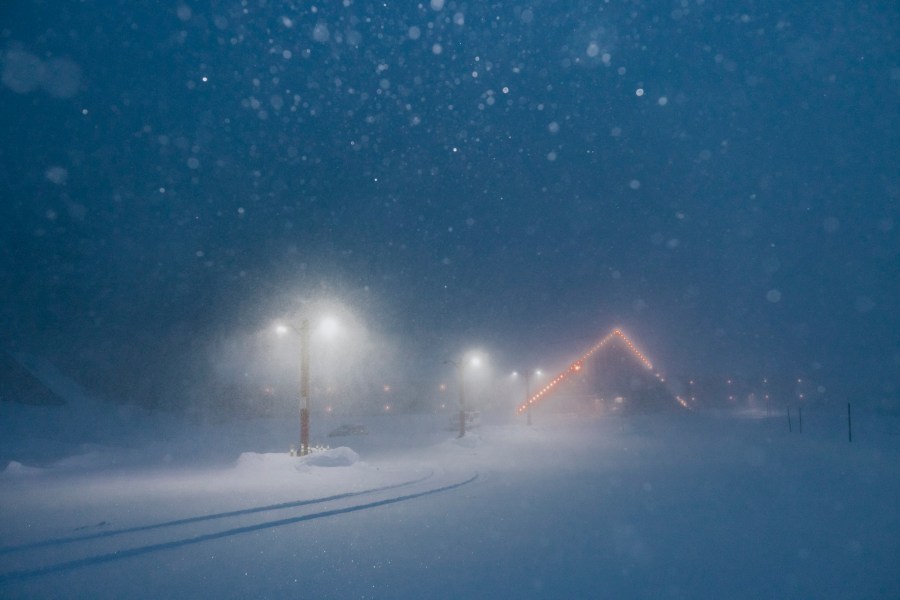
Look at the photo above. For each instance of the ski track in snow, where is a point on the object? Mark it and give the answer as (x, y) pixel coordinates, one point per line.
(119, 554)
(209, 517)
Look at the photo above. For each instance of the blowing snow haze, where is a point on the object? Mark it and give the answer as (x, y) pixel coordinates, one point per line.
(719, 178)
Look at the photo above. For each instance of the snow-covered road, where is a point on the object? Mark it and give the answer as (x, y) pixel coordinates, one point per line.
(650, 507)
(97, 548)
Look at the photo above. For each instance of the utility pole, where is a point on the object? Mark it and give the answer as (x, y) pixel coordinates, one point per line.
(527, 396)
(304, 387)
(462, 394)
(462, 400)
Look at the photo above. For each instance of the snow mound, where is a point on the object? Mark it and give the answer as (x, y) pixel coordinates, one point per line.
(336, 457)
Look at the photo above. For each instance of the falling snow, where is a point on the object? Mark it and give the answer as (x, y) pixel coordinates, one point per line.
(186, 185)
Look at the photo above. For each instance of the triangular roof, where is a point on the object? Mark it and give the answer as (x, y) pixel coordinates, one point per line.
(617, 337)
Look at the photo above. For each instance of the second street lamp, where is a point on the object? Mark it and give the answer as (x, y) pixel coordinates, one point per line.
(462, 397)
(460, 366)
(528, 393)
(526, 375)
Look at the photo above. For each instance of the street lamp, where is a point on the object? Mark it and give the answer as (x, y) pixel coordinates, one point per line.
(538, 373)
(329, 327)
(460, 366)
(527, 376)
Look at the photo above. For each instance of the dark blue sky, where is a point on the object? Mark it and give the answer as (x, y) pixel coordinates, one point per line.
(720, 178)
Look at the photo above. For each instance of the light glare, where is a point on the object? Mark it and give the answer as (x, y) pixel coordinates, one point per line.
(329, 327)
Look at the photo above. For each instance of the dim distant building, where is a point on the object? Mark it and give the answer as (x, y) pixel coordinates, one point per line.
(614, 382)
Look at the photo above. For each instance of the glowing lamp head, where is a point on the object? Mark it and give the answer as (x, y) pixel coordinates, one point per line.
(329, 327)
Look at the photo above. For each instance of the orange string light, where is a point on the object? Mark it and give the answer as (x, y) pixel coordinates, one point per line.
(576, 367)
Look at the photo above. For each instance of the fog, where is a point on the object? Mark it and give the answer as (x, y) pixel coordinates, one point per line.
(450, 197)
(720, 183)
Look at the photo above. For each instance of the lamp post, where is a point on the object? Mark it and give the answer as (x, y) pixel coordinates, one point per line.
(329, 326)
(460, 369)
(527, 376)
(528, 394)
(304, 387)
(462, 396)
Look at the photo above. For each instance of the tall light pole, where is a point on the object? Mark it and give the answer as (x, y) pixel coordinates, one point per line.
(304, 387)
(460, 369)
(329, 327)
(462, 396)
(528, 393)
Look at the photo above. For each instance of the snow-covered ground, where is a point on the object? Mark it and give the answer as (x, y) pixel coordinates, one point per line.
(663, 506)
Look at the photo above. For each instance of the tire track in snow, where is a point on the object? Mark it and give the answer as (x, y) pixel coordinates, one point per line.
(209, 517)
(173, 544)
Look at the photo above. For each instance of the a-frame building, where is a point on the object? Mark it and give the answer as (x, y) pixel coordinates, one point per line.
(613, 376)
